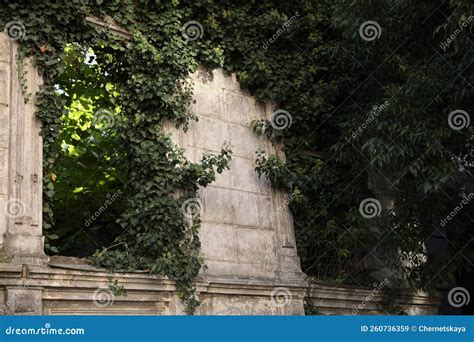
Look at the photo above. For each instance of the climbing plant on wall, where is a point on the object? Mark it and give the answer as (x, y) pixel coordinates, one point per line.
(136, 83)
(326, 75)
(368, 89)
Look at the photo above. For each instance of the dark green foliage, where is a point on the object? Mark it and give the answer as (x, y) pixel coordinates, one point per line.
(330, 80)
(136, 84)
(317, 68)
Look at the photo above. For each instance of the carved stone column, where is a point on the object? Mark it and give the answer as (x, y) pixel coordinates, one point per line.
(21, 239)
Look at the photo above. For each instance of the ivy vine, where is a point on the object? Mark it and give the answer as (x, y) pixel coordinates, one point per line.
(139, 83)
(306, 56)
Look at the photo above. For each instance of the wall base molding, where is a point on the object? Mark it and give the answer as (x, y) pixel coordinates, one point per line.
(80, 289)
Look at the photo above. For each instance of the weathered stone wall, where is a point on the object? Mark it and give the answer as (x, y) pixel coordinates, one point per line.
(4, 130)
(247, 231)
(20, 161)
(68, 288)
(252, 264)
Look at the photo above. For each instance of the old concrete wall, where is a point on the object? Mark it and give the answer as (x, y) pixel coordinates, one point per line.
(247, 229)
(252, 264)
(247, 232)
(70, 288)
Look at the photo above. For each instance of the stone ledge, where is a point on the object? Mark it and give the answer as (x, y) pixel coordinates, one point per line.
(63, 290)
(342, 300)
(64, 276)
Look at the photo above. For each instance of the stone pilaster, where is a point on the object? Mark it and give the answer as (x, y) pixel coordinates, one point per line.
(21, 238)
